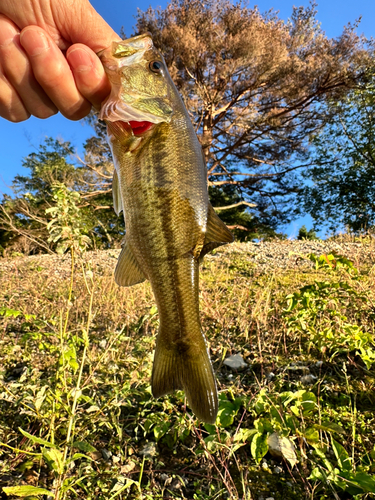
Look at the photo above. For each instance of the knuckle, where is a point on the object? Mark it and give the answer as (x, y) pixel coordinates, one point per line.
(45, 113)
(17, 117)
(78, 114)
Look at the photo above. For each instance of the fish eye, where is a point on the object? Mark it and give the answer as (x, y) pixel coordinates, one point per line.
(156, 66)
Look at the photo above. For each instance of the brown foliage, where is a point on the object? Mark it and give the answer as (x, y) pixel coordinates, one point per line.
(255, 86)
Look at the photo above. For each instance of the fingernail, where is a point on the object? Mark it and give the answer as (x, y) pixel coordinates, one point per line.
(79, 60)
(34, 42)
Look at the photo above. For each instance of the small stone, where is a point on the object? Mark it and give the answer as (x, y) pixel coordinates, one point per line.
(176, 485)
(106, 454)
(270, 498)
(308, 379)
(128, 467)
(277, 470)
(103, 344)
(164, 477)
(270, 375)
(235, 362)
(115, 459)
(149, 450)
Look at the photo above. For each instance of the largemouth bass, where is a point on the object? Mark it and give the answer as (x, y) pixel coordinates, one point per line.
(160, 184)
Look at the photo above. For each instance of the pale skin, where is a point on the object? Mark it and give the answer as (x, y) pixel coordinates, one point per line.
(48, 60)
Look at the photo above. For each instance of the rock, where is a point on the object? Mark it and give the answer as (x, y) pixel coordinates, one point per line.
(128, 467)
(308, 379)
(277, 470)
(106, 454)
(149, 450)
(235, 362)
(176, 484)
(103, 344)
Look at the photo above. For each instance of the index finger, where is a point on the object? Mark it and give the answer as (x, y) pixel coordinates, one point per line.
(89, 75)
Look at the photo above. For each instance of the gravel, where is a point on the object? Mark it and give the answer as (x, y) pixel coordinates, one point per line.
(266, 256)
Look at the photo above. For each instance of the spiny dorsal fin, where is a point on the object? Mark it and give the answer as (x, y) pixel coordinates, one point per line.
(217, 232)
(116, 194)
(127, 271)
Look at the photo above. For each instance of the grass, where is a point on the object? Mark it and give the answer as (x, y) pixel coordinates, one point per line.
(77, 419)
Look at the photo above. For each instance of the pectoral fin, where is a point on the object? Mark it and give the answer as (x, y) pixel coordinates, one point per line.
(116, 194)
(127, 271)
(217, 232)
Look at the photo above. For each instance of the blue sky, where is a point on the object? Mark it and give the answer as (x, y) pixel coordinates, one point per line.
(18, 140)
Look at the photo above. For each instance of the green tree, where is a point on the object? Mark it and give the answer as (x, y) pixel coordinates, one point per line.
(304, 234)
(255, 86)
(25, 217)
(341, 190)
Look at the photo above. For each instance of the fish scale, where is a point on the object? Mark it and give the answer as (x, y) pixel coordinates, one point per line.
(160, 183)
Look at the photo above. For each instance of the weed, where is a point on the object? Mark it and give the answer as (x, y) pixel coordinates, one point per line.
(77, 419)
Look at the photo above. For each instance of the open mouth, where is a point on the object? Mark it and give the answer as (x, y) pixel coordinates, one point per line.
(140, 128)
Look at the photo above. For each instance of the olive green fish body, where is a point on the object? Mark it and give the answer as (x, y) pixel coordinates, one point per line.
(160, 184)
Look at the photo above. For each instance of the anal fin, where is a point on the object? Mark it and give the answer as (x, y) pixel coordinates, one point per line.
(127, 271)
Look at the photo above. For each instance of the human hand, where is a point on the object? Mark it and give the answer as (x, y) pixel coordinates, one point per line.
(48, 59)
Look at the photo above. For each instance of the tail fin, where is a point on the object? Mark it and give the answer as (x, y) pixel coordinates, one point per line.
(173, 370)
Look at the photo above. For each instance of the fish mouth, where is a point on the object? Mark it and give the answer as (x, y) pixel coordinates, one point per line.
(139, 128)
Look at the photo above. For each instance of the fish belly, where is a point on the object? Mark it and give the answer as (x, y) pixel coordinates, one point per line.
(166, 240)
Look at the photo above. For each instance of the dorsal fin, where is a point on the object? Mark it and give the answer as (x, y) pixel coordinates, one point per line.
(127, 271)
(217, 233)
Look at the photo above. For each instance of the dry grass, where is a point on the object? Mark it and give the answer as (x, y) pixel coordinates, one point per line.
(87, 368)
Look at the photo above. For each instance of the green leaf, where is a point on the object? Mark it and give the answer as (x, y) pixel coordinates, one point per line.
(211, 429)
(37, 440)
(263, 425)
(311, 435)
(84, 446)
(365, 481)
(121, 485)
(77, 456)
(342, 456)
(244, 435)
(317, 474)
(259, 446)
(9, 312)
(329, 427)
(54, 458)
(26, 491)
(227, 412)
(308, 401)
(161, 429)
